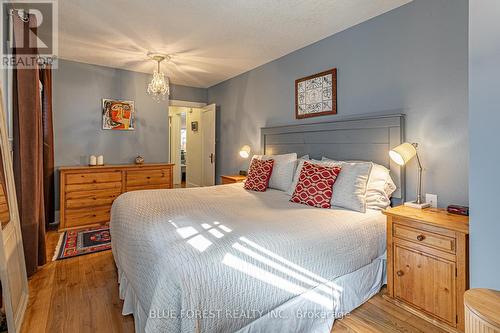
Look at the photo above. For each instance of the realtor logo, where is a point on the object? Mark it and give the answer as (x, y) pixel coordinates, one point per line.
(30, 37)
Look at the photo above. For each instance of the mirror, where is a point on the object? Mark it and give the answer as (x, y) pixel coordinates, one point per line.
(4, 203)
(12, 266)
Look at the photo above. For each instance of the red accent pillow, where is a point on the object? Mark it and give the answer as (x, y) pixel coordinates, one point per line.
(259, 174)
(314, 187)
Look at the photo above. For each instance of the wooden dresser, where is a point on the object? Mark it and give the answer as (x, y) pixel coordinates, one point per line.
(427, 264)
(87, 192)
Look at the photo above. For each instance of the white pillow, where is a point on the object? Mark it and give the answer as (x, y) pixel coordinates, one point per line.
(283, 169)
(380, 188)
(295, 180)
(349, 190)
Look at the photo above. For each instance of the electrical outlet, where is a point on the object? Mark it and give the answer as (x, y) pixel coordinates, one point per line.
(432, 199)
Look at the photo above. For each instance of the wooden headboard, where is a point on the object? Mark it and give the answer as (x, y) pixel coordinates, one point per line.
(367, 138)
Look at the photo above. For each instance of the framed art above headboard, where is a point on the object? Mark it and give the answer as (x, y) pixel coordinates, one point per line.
(366, 138)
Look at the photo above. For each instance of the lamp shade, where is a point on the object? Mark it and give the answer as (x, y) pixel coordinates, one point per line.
(403, 153)
(245, 151)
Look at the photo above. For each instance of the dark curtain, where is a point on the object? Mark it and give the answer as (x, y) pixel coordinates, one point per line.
(28, 148)
(48, 144)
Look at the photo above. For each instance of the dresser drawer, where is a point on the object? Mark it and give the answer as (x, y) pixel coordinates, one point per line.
(94, 177)
(78, 217)
(426, 238)
(148, 187)
(93, 187)
(83, 199)
(147, 177)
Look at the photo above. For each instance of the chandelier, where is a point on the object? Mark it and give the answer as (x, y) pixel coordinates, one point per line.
(159, 85)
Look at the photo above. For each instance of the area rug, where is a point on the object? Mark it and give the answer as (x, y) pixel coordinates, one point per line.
(78, 242)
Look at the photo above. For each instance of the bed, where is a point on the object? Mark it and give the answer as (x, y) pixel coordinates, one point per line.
(224, 259)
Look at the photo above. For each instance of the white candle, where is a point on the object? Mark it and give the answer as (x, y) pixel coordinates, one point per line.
(100, 160)
(92, 160)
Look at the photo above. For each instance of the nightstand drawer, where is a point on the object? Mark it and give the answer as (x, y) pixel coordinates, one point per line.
(425, 238)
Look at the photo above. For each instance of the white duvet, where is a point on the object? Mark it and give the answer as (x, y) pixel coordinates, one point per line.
(223, 259)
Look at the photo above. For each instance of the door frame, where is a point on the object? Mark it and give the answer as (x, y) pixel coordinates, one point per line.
(187, 104)
(211, 149)
(179, 103)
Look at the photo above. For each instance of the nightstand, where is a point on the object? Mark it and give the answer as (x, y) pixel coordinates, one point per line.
(231, 179)
(427, 264)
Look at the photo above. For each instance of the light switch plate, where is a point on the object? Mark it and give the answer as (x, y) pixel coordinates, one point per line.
(432, 199)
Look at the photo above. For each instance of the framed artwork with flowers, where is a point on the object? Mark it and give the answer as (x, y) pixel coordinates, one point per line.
(316, 95)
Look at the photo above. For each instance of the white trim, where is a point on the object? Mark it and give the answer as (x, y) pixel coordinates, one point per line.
(187, 104)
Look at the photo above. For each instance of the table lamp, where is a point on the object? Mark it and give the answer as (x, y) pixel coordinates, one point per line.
(244, 153)
(402, 154)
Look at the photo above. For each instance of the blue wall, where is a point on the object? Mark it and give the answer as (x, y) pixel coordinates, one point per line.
(411, 60)
(77, 92)
(484, 112)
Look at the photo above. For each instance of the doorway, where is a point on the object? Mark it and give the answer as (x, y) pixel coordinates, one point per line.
(192, 145)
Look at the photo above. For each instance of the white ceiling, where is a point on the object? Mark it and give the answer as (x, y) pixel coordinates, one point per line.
(209, 40)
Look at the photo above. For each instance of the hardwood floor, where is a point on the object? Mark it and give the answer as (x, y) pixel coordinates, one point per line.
(81, 295)
(75, 295)
(380, 316)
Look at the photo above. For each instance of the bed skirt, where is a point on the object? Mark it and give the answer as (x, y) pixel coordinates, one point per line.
(131, 304)
(357, 287)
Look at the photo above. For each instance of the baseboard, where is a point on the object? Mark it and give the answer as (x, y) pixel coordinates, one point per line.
(422, 315)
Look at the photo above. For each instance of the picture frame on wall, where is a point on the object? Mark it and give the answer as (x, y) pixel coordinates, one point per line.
(118, 115)
(316, 95)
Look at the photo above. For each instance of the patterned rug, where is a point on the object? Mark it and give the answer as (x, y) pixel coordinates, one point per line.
(77, 242)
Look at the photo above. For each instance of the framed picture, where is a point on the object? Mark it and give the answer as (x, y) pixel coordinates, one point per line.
(118, 115)
(316, 95)
(194, 126)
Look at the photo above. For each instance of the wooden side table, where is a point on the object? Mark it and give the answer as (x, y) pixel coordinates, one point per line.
(427, 264)
(231, 179)
(482, 311)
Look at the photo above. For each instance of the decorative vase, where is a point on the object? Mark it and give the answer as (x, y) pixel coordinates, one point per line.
(139, 159)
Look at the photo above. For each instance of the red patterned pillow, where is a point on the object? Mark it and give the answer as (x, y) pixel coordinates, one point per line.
(315, 185)
(259, 174)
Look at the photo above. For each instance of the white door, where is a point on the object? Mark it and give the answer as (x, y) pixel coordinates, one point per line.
(208, 144)
(175, 146)
(12, 266)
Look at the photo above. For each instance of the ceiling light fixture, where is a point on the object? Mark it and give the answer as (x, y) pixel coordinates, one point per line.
(159, 85)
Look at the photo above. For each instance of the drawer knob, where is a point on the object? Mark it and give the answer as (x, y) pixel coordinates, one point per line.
(420, 238)
(400, 273)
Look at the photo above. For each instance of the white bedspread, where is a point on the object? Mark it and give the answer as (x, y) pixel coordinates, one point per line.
(217, 259)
